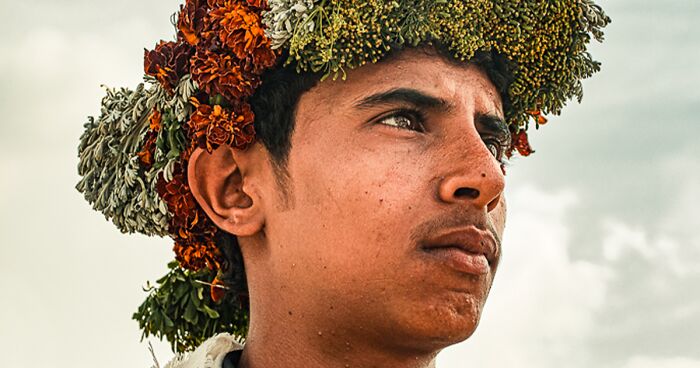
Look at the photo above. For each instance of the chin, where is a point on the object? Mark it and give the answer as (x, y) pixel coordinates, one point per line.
(446, 324)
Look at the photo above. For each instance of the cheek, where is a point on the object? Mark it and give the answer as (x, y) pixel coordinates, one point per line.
(498, 217)
(356, 203)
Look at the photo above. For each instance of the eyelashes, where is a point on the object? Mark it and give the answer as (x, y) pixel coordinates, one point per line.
(404, 119)
(415, 120)
(498, 148)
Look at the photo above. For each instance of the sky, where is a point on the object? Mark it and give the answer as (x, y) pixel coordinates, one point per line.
(601, 262)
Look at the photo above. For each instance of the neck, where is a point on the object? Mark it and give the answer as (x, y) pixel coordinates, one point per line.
(281, 340)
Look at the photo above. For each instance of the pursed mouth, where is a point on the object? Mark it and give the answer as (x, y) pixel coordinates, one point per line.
(471, 241)
(459, 259)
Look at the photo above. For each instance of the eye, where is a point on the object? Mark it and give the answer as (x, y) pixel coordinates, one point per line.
(497, 148)
(404, 119)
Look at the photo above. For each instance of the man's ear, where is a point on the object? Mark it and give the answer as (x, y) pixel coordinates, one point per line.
(220, 188)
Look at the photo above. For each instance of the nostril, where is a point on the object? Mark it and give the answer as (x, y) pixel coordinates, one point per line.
(469, 193)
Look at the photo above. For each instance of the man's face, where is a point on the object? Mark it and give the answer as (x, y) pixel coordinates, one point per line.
(392, 227)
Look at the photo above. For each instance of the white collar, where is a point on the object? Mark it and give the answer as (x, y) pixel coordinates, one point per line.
(210, 354)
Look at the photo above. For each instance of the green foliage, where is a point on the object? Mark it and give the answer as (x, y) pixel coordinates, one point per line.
(112, 178)
(546, 41)
(181, 310)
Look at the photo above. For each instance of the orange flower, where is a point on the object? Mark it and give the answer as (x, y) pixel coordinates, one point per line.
(156, 121)
(193, 232)
(537, 115)
(212, 126)
(522, 143)
(241, 30)
(190, 22)
(217, 290)
(180, 201)
(149, 147)
(198, 252)
(231, 53)
(168, 63)
(221, 74)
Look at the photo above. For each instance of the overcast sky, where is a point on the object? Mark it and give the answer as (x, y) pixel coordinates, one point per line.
(602, 250)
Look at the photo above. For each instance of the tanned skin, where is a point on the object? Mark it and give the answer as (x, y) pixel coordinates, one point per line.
(335, 251)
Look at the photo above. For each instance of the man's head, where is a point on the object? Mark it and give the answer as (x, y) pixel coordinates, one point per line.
(353, 228)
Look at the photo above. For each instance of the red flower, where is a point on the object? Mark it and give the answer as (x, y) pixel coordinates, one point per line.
(212, 126)
(522, 144)
(191, 21)
(220, 74)
(195, 252)
(149, 147)
(148, 150)
(217, 290)
(168, 63)
(537, 115)
(222, 44)
(156, 121)
(241, 30)
(194, 233)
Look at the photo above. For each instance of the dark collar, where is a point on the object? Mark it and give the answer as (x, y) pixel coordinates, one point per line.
(231, 359)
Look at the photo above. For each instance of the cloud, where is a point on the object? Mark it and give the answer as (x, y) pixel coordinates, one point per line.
(646, 362)
(551, 309)
(543, 303)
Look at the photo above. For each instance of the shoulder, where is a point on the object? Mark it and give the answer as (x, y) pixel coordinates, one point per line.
(210, 354)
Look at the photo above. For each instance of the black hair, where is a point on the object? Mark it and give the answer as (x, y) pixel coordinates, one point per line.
(274, 104)
(275, 101)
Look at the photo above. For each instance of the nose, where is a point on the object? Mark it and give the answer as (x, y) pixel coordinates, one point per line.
(477, 181)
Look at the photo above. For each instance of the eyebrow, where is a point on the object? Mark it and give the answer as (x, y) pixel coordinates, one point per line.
(493, 124)
(405, 95)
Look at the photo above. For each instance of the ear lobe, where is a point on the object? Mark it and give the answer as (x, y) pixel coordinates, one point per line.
(217, 184)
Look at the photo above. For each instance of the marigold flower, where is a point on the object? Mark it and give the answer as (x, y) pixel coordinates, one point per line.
(222, 74)
(522, 143)
(168, 63)
(212, 126)
(156, 121)
(260, 4)
(191, 21)
(241, 30)
(197, 252)
(194, 233)
(149, 147)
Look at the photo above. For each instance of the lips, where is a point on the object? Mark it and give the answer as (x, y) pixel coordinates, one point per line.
(469, 250)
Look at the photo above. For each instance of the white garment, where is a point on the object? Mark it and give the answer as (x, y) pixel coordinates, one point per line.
(208, 355)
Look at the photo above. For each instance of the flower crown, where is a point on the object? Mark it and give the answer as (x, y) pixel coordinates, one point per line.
(133, 158)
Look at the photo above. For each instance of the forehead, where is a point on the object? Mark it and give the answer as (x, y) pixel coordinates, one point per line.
(465, 86)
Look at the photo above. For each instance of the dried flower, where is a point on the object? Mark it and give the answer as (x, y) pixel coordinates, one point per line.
(113, 180)
(287, 17)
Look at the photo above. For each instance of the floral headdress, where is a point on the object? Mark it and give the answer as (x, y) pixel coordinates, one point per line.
(133, 158)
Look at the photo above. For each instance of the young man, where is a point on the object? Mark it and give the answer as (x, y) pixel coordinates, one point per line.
(379, 247)
(359, 217)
